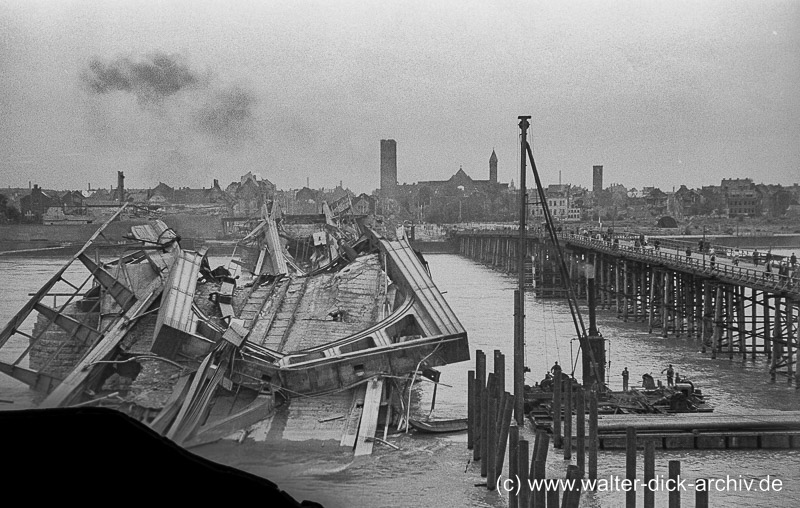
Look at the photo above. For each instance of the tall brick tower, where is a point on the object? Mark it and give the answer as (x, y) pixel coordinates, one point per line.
(388, 166)
(120, 194)
(597, 179)
(493, 167)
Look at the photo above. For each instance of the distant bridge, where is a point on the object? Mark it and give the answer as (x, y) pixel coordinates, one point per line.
(741, 311)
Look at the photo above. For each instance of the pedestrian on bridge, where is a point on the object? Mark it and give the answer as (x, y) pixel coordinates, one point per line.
(713, 261)
(793, 260)
(688, 253)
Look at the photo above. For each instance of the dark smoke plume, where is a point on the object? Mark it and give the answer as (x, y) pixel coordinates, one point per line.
(150, 78)
(228, 115)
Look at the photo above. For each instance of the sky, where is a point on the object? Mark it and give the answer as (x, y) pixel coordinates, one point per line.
(659, 93)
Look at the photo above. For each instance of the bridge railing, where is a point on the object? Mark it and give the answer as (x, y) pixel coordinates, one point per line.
(736, 274)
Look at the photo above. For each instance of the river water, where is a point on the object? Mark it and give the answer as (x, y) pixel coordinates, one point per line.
(436, 470)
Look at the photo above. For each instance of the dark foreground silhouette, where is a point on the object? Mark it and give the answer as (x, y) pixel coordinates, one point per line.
(95, 454)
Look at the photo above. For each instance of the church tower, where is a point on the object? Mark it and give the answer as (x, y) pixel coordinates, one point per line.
(493, 167)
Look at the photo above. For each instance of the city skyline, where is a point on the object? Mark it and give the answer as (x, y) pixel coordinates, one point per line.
(659, 94)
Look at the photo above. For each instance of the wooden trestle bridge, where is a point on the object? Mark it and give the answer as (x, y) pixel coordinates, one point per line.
(734, 311)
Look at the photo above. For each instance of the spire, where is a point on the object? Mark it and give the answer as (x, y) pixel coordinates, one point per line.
(493, 167)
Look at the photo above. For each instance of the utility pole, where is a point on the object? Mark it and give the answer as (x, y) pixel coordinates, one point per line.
(519, 315)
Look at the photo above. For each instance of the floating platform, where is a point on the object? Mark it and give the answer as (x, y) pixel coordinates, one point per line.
(767, 429)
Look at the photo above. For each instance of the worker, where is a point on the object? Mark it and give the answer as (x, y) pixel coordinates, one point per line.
(755, 257)
(555, 369)
(688, 253)
(793, 260)
(625, 375)
(713, 261)
(670, 374)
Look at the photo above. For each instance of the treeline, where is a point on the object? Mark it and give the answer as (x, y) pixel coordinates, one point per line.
(9, 214)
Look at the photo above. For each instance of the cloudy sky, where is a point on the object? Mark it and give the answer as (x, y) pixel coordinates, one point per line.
(659, 93)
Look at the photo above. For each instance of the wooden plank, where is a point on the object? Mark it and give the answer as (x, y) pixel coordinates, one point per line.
(260, 263)
(172, 406)
(369, 417)
(354, 417)
(259, 409)
(279, 266)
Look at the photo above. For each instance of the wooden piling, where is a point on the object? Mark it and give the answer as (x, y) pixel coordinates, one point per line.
(689, 297)
(701, 496)
(485, 424)
(470, 409)
(513, 459)
(664, 301)
(502, 433)
(668, 304)
(698, 311)
(552, 496)
(580, 429)
(651, 306)
(480, 386)
(707, 315)
(523, 499)
(740, 322)
(568, 420)
(616, 286)
(675, 492)
(729, 325)
(630, 465)
(491, 438)
(649, 473)
(499, 373)
(776, 336)
(767, 327)
(556, 410)
(572, 497)
(538, 468)
(625, 284)
(715, 338)
(594, 441)
(797, 356)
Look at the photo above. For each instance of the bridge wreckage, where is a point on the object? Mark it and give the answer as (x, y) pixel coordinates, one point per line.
(328, 322)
